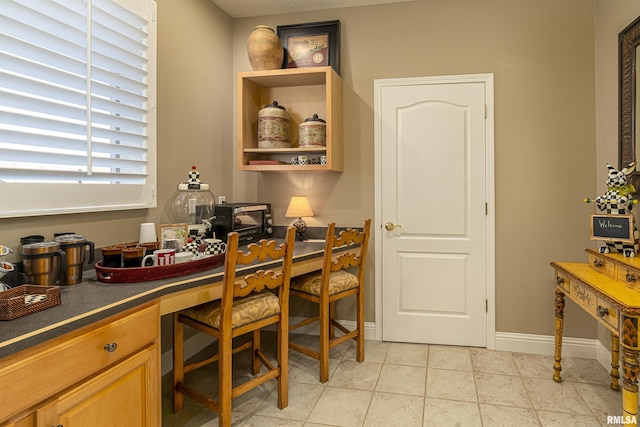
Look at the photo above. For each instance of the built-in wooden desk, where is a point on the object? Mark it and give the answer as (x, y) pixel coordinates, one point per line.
(100, 349)
(608, 288)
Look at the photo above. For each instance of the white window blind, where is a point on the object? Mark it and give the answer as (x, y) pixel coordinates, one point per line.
(77, 113)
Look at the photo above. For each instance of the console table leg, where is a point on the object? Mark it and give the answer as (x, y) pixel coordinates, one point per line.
(630, 369)
(559, 324)
(630, 383)
(615, 362)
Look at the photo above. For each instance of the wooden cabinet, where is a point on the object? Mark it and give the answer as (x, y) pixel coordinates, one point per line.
(102, 375)
(27, 421)
(303, 92)
(118, 397)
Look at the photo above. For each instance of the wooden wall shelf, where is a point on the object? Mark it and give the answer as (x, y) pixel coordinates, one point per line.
(303, 92)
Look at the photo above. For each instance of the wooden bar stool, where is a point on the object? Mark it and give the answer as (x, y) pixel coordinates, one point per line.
(334, 282)
(249, 302)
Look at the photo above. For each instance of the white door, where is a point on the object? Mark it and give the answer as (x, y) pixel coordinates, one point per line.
(432, 141)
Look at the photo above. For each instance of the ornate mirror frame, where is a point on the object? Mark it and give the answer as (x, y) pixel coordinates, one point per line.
(628, 45)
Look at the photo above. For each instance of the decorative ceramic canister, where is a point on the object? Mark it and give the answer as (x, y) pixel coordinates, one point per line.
(313, 132)
(264, 49)
(273, 127)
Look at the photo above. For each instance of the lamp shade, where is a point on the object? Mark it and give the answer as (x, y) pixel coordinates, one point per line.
(298, 207)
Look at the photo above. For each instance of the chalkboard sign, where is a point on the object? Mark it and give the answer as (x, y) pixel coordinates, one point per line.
(617, 228)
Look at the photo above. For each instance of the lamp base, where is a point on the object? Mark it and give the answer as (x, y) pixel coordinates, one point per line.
(301, 227)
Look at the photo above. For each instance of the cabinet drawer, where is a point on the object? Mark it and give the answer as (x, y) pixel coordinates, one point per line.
(584, 296)
(593, 304)
(48, 369)
(628, 276)
(608, 313)
(602, 265)
(563, 281)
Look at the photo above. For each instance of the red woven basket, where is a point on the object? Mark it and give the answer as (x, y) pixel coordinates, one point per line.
(147, 274)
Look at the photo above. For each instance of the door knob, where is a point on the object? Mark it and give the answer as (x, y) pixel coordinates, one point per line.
(390, 226)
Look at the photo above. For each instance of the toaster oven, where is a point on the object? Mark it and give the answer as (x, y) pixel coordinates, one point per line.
(252, 221)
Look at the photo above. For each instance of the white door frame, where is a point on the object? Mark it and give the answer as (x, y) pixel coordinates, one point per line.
(487, 79)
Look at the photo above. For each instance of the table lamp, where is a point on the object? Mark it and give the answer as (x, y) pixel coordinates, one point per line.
(298, 207)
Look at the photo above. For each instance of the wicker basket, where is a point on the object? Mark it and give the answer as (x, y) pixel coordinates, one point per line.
(27, 299)
(146, 274)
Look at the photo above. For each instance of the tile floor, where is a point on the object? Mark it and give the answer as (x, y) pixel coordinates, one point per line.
(415, 385)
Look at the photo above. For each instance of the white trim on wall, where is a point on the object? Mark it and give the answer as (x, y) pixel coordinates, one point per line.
(504, 341)
(545, 344)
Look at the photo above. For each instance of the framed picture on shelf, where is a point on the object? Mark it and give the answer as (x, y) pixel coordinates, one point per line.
(173, 231)
(314, 44)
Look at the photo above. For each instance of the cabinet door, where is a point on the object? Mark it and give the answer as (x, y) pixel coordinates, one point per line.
(28, 421)
(125, 395)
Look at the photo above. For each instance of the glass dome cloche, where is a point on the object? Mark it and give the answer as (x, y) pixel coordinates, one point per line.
(193, 203)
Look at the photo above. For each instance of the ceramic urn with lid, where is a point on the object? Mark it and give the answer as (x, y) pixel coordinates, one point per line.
(313, 132)
(273, 126)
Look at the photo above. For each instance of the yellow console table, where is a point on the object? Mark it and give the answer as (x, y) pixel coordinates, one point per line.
(608, 288)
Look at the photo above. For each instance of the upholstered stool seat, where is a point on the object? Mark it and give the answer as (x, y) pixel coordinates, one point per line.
(339, 281)
(245, 311)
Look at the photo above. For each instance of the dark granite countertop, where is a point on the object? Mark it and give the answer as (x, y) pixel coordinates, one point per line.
(91, 300)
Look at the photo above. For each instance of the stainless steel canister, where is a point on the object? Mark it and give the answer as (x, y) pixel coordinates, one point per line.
(35, 238)
(74, 246)
(42, 262)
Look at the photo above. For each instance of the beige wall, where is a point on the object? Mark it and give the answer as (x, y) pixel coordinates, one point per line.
(608, 23)
(542, 53)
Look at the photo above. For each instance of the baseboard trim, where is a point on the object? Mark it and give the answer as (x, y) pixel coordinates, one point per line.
(603, 355)
(312, 329)
(545, 344)
(505, 341)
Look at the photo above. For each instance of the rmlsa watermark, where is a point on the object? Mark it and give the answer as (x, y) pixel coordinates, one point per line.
(617, 420)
